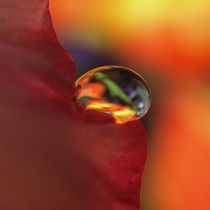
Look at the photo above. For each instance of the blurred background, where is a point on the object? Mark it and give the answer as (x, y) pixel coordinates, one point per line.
(168, 43)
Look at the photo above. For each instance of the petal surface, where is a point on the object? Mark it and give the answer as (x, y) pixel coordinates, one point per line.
(50, 157)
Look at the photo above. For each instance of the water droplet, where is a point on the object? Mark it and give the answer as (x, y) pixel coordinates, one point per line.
(115, 90)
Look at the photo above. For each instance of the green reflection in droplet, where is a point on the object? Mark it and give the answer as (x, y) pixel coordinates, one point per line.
(115, 90)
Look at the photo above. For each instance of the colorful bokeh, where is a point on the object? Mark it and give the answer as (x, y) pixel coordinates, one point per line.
(168, 42)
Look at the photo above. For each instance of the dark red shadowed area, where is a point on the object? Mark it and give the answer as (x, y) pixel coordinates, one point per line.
(97, 117)
(51, 157)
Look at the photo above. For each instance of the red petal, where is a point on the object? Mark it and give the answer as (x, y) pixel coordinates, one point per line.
(50, 158)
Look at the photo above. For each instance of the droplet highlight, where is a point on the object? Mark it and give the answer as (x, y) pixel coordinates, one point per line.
(115, 90)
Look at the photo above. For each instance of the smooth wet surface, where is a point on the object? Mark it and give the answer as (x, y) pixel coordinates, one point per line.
(115, 90)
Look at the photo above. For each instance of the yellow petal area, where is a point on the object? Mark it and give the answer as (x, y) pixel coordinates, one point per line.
(121, 114)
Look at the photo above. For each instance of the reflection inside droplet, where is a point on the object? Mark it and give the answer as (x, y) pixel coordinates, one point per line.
(114, 90)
